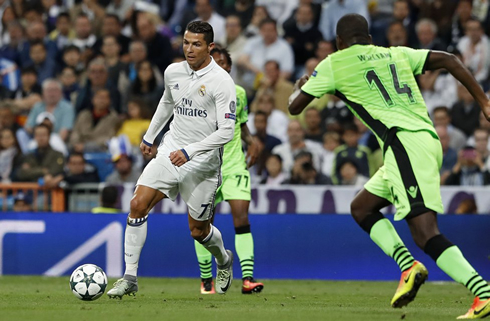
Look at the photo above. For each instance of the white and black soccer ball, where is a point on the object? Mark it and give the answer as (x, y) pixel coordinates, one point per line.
(88, 282)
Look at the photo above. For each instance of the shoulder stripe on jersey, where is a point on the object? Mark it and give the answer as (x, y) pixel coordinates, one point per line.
(376, 126)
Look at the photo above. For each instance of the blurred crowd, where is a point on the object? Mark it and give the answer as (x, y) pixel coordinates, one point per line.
(82, 78)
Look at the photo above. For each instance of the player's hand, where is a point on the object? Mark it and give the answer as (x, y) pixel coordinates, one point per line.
(252, 153)
(145, 149)
(300, 82)
(178, 158)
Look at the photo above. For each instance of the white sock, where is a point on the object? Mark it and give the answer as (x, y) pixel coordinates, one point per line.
(214, 244)
(134, 240)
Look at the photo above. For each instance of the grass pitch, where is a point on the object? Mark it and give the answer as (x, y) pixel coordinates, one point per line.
(43, 298)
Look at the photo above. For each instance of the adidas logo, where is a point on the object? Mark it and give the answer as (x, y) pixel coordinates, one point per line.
(176, 87)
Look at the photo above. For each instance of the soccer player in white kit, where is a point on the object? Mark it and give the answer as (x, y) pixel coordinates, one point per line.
(202, 98)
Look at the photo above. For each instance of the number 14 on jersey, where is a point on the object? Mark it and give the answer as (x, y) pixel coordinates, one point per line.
(375, 82)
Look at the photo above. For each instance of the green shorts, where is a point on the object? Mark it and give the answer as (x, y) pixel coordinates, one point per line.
(234, 187)
(409, 178)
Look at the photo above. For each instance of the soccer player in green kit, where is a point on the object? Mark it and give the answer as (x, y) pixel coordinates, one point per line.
(378, 85)
(236, 190)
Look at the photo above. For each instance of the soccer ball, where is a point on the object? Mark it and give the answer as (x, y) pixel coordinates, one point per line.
(88, 282)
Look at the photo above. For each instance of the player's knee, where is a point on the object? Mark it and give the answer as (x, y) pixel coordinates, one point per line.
(138, 207)
(240, 219)
(198, 234)
(358, 210)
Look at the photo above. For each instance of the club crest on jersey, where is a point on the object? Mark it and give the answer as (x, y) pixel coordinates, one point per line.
(314, 74)
(232, 107)
(202, 91)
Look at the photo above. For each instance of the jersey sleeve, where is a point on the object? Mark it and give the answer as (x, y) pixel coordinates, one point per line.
(241, 106)
(321, 81)
(162, 114)
(417, 59)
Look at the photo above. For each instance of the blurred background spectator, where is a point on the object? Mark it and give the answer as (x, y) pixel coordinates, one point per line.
(469, 169)
(260, 49)
(94, 127)
(277, 120)
(42, 164)
(55, 140)
(449, 155)
(355, 153)
(441, 117)
(297, 143)
(22, 202)
(108, 201)
(53, 102)
(10, 154)
(272, 83)
(275, 175)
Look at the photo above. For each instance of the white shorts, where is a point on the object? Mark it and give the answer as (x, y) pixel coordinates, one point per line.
(197, 189)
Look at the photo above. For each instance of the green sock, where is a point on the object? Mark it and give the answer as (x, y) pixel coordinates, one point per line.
(455, 265)
(385, 236)
(244, 246)
(205, 260)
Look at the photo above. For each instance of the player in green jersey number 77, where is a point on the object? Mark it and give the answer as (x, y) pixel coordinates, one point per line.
(378, 85)
(236, 190)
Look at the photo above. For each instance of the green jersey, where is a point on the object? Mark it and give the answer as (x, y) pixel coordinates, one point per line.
(377, 84)
(233, 157)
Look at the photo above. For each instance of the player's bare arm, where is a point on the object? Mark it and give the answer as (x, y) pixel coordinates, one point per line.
(252, 146)
(441, 59)
(299, 99)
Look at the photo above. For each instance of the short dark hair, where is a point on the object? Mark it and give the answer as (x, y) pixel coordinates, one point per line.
(475, 20)
(109, 196)
(42, 126)
(201, 27)
(260, 112)
(71, 48)
(222, 51)
(350, 127)
(63, 14)
(82, 15)
(113, 16)
(266, 21)
(278, 67)
(276, 156)
(76, 154)
(38, 43)
(33, 7)
(304, 153)
(393, 23)
(28, 70)
(348, 160)
(443, 109)
(353, 27)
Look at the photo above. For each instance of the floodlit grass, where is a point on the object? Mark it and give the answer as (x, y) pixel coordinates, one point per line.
(43, 298)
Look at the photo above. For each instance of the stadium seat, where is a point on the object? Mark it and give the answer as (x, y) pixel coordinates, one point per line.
(103, 163)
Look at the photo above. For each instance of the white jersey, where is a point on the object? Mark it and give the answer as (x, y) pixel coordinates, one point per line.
(203, 103)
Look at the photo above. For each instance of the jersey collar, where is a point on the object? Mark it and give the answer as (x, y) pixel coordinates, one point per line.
(201, 72)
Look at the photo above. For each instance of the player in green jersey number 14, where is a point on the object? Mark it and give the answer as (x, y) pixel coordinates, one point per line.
(378, 85)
